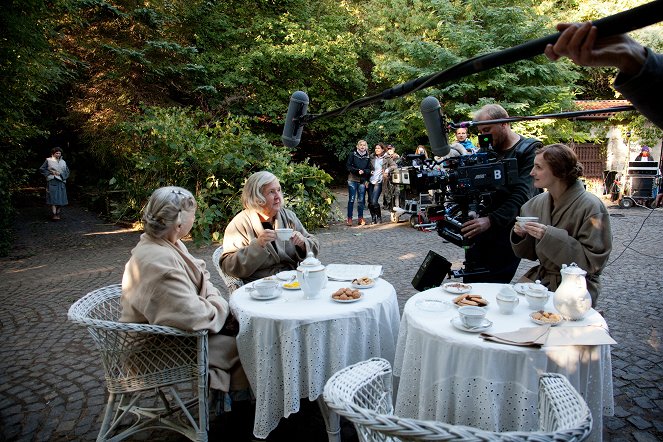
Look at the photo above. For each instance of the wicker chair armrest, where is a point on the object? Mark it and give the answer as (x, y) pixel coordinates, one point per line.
(232, 282)
(135, 327)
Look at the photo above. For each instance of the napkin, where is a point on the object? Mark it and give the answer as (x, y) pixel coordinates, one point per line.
(523, 337)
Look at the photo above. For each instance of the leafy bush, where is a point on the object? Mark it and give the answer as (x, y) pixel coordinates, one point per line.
(183, 147)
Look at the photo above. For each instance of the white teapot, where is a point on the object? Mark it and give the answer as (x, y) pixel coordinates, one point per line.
(571, 299)
(312, 276)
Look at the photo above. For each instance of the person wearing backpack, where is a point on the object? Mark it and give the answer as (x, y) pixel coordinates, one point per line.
(490, 231)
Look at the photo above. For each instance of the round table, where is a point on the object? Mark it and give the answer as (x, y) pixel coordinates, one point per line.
(290, 346)
(457, 377)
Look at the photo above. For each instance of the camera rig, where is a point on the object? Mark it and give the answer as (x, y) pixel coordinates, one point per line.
(460, 188)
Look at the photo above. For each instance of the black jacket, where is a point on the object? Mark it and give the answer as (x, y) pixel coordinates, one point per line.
(357, 162)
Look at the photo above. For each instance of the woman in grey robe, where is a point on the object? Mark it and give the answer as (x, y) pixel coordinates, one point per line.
(573, 226)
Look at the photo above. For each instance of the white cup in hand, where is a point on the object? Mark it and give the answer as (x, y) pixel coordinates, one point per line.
(283, 234)
(521, 220)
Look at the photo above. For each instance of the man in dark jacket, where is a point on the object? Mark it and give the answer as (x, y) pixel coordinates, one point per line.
(489, 232)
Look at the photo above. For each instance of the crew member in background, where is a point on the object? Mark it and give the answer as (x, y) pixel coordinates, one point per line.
(391, 192)
(491, 231)
(644, 155)
(461, 137)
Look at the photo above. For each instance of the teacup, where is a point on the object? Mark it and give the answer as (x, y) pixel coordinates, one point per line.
(267, 288)
(283, 234)
(472, 316)
(521, 220)
(506, 304)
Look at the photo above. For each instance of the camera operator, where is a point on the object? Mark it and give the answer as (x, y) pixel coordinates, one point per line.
(491, 232)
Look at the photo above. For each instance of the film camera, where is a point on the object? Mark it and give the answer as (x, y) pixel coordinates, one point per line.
(459, 186)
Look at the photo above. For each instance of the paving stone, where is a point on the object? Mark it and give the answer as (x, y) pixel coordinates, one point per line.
(639, 422)
(613, 423)
(621, 412)
(644, 402)
(644, 437)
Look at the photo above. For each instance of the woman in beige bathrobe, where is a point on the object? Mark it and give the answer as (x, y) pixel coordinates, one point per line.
(251, 249)
(164, 285)
(574, 225)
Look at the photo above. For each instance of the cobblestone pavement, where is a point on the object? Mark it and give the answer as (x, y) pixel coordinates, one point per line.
(51, 382)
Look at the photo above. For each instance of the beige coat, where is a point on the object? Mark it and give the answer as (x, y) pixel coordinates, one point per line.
(244, 258)
(578, 231)
(164, 285)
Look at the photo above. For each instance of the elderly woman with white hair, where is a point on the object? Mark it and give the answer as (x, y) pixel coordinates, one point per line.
(164, 284)
(250, 247)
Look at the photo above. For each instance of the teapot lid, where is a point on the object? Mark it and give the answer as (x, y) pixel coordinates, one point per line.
(311, 263)
(572, 269)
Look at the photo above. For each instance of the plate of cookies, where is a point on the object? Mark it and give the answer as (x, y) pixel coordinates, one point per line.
(468, 299)
(346, 294)
(363, 283)
(545, 318)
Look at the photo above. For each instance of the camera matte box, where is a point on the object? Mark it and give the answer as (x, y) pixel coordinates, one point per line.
(401, 175)
(432, 272)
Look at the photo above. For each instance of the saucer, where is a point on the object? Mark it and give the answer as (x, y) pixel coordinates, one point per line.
(432, 305)
(457, 287)
(521, 287)
(254, 294)
(485, 325)
(288, 275)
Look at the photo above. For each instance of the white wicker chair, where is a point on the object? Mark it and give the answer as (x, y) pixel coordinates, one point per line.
(231, 282)
(362, 393)
(156, 376)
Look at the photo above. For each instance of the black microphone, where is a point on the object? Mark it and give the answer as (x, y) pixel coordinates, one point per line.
(292, 130)
(437, 131)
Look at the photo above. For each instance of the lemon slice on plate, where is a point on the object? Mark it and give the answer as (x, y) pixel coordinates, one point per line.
(294, 285)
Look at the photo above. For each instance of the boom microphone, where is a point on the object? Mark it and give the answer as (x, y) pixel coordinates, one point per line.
(435, 126)
(294, 124)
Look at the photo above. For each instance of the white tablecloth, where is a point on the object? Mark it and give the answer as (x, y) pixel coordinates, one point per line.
(456, 377)
(291, 346)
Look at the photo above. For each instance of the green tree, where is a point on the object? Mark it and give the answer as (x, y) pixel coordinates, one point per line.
(212, 158)
(420, 38)
(32, 72)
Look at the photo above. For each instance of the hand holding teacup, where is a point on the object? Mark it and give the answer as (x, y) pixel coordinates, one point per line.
(284, 234)
(529, 225)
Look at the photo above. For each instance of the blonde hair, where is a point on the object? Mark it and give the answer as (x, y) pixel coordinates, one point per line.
(419, 147)
(252, 197)
(164, 209)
